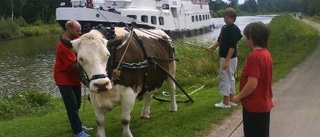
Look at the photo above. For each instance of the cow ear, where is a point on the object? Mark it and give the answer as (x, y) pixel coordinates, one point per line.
(114, 43)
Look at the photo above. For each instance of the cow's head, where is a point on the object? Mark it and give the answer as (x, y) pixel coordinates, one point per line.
(92, 56)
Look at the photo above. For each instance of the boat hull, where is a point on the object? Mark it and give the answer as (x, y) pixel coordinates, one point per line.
(177, 27)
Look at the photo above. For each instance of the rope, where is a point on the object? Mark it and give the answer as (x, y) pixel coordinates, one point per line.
(166, 94)
(116, 71)
(84, 100)
(235, 129)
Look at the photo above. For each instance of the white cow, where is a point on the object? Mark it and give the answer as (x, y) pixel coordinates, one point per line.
(145, 56)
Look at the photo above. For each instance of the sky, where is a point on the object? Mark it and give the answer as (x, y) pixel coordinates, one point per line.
(240, 1)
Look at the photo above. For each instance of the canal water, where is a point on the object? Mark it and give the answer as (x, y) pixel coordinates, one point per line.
(26, 64)
(241, 22)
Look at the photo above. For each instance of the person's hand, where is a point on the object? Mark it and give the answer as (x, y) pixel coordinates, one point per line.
(226, 64)
(235, 99)
(210, 48)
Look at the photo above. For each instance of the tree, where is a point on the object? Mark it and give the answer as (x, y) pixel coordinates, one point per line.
(215, 6)
(313, 7)
(19, 7)
(233, 3)
(250, 6)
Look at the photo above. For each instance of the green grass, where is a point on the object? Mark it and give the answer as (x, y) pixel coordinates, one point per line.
(41, 30)
(290, 43)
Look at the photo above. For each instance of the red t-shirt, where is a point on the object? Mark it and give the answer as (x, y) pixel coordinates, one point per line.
(258, 65)
(62, 71)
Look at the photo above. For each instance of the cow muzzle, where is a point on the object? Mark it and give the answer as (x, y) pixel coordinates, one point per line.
(100, 83)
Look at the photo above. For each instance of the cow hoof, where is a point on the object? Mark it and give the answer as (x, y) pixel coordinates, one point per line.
(175, 110)
(145, 117)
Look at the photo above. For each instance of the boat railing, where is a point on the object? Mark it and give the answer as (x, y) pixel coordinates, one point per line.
(117, 3)
(199, 2)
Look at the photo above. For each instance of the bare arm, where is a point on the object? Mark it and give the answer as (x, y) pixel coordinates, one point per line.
(226, 62)
(247, 89)
(213, 46)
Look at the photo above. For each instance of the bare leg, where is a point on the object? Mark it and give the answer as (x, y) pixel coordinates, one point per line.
(226, 100)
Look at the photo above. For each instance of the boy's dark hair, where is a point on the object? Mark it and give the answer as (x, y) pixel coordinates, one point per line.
(232, 13)
(258, 32)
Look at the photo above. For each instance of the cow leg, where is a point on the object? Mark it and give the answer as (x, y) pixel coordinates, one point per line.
(172, 88)
(127, 103)
(145, 113)
(100, 114)
(101, 122)
(172, 92)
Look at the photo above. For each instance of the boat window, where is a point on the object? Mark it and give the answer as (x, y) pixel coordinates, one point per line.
(153, 20)
(132, 16)
(144, 18)
(204, 18)
(200, 17)
(192, 18)
(161, 20)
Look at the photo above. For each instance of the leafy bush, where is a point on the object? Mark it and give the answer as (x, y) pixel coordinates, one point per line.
(54, 28)
(21, 22)
(25, 103)
(218, 13)
(34, 31)
(8, 29)
(38, 23)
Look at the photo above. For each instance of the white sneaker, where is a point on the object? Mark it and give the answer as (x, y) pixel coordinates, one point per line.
(86, 128)
(233, 104)
(221, 105)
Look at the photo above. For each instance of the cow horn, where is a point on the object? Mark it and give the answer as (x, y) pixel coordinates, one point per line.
(66, 42)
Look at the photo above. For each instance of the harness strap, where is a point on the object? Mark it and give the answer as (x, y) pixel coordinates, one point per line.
(138, 65)
(83, 76)
(94, 77)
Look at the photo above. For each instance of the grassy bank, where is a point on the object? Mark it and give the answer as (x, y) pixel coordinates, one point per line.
(18, 28)
(290, 43)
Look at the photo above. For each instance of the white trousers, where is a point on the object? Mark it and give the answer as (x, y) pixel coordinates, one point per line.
(226, 76)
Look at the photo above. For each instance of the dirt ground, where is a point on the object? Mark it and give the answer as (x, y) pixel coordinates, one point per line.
(296, 99)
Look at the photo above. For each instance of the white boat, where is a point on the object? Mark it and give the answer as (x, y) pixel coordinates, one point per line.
(178, 18)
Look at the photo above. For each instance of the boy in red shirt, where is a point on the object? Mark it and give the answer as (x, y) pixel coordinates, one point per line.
(256, 82)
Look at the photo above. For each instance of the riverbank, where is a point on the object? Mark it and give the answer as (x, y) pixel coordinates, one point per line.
(195, 69)
(14, 29)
